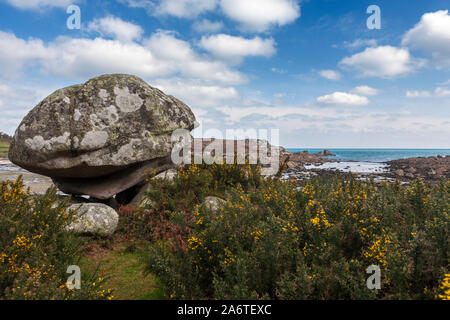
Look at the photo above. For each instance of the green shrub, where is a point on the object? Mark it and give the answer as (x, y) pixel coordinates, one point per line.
(307, 240)
(35, 251)
(172, 203)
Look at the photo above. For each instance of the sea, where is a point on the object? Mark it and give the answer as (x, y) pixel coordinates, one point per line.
(350, 160)
(377, 155)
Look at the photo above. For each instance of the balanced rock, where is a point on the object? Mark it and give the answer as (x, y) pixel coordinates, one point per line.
(99, 138)
(94, 218)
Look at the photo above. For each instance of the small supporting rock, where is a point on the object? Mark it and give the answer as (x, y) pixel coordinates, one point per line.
(94, 218)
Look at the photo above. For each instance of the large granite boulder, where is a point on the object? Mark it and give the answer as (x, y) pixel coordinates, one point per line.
(93, 218)
(99, 138)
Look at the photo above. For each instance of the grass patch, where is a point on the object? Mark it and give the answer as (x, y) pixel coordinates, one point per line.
(120, 263)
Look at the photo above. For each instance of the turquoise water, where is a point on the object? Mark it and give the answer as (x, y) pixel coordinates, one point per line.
(378, 155)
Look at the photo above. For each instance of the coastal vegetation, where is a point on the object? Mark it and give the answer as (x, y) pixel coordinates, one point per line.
(36, 251)
(267, 239)
(275, 239)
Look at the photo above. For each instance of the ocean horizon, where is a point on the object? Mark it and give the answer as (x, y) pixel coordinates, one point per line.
(374, 154)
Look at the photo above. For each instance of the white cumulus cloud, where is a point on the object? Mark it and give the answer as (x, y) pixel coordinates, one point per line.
(235, 48)
(383, 62)
(442, 92)
(365, 91)
(343, 98)
(197, 94)
(116, 28)
(330, 74)
(418, 94)
(432, 35)
(439, 92)
(188, 9)
(40, 4)
(207, 26)
(358, 43)
(160, 55)
(16, 53)
(16, 100)
(184, 8)
(261, 15)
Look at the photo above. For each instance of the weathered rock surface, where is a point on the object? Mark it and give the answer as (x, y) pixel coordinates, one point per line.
(168, 175)
(297, 160)
(428, 168)
(108, 186)
(141, 201)
(94, 218)
(98, 138)
(101, 127)
(213, 203)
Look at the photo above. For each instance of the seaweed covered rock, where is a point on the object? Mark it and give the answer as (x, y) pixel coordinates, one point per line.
(111, 127)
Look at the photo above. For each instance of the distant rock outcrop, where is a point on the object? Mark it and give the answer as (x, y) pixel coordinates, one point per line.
(99, 138)
(325, 153)
(428, 168)
(296, 161)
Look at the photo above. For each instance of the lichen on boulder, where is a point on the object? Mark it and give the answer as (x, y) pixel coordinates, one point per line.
(99, 129)
(213, 203)
(93, 218)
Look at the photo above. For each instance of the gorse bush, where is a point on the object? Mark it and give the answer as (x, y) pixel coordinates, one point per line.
(312, 239)
(174, 202)
(35, 250)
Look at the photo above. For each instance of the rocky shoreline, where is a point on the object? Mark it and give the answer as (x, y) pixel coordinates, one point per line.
(430, 168)
(297, 166)
(302, 165)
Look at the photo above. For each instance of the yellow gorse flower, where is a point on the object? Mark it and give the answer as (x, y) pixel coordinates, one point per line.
(378, 250)
(256, 235)
(22, 242)
(229, 257)
(195, 243)
(445, 288)
(320, 221)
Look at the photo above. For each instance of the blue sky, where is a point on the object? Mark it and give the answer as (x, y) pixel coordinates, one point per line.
(311, 69)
